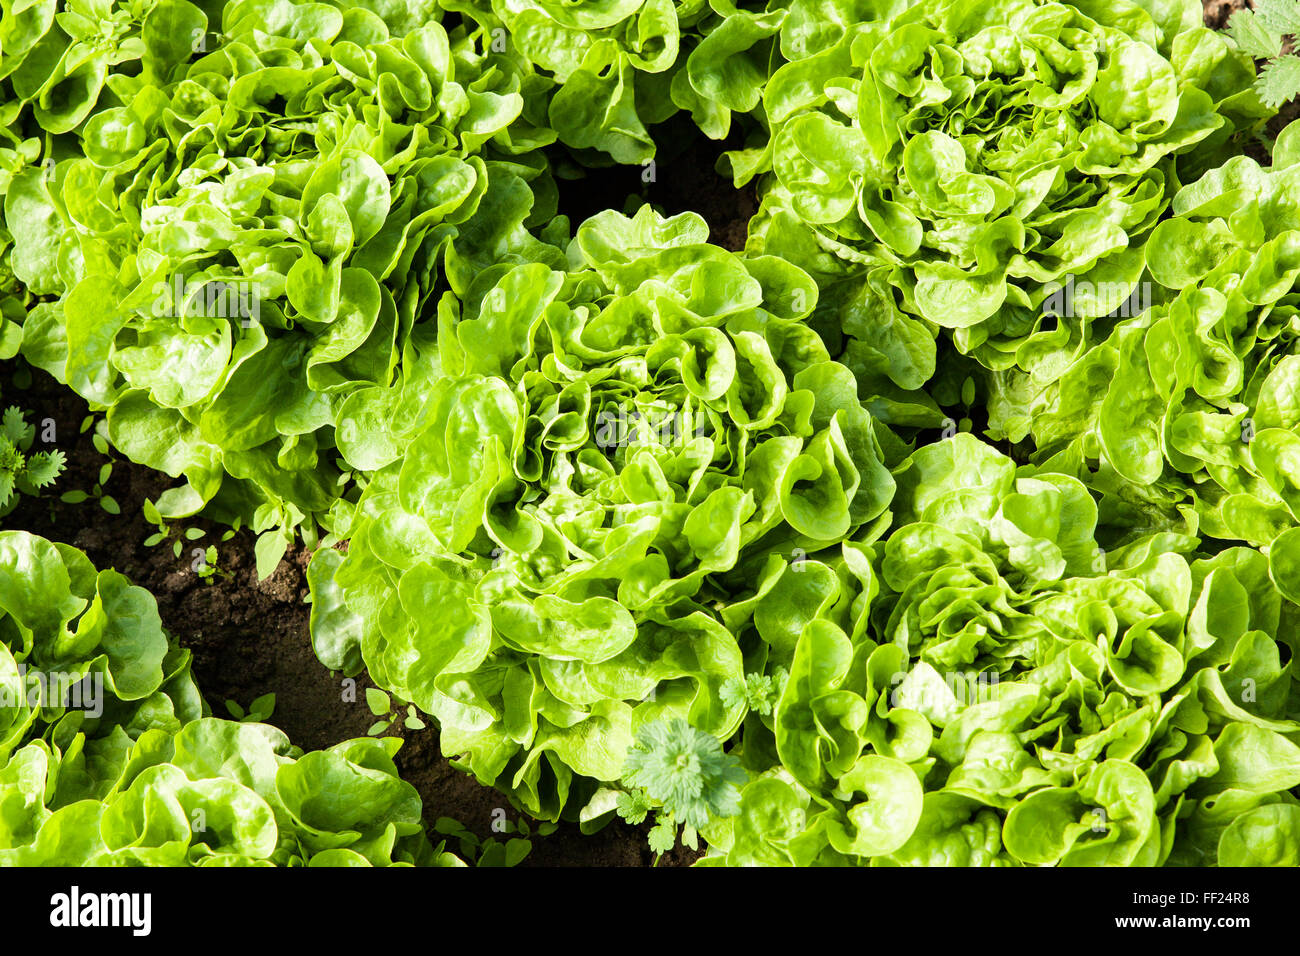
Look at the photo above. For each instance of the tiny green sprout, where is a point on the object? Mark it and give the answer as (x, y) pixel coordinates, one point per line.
(486, 851)
(968, 392)
(261, 708)
(380, 703)
(207, 568)
(106, 502)
(413, 720)
(383, 707)
(258, 711)
(269, 550)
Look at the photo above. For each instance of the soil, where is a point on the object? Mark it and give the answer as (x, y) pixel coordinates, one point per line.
(1217, 12)
(684, 177)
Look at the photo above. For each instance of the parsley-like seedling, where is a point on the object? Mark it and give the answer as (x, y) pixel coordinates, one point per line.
(20, 471)
(683, 772)
(758, 692)
(1260, 33)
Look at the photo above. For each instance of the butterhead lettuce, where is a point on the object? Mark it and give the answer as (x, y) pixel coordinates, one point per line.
(984, 685)
(605, 450)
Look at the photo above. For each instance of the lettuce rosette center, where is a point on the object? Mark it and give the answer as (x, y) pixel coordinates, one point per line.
(985, 159)
(603, 452)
